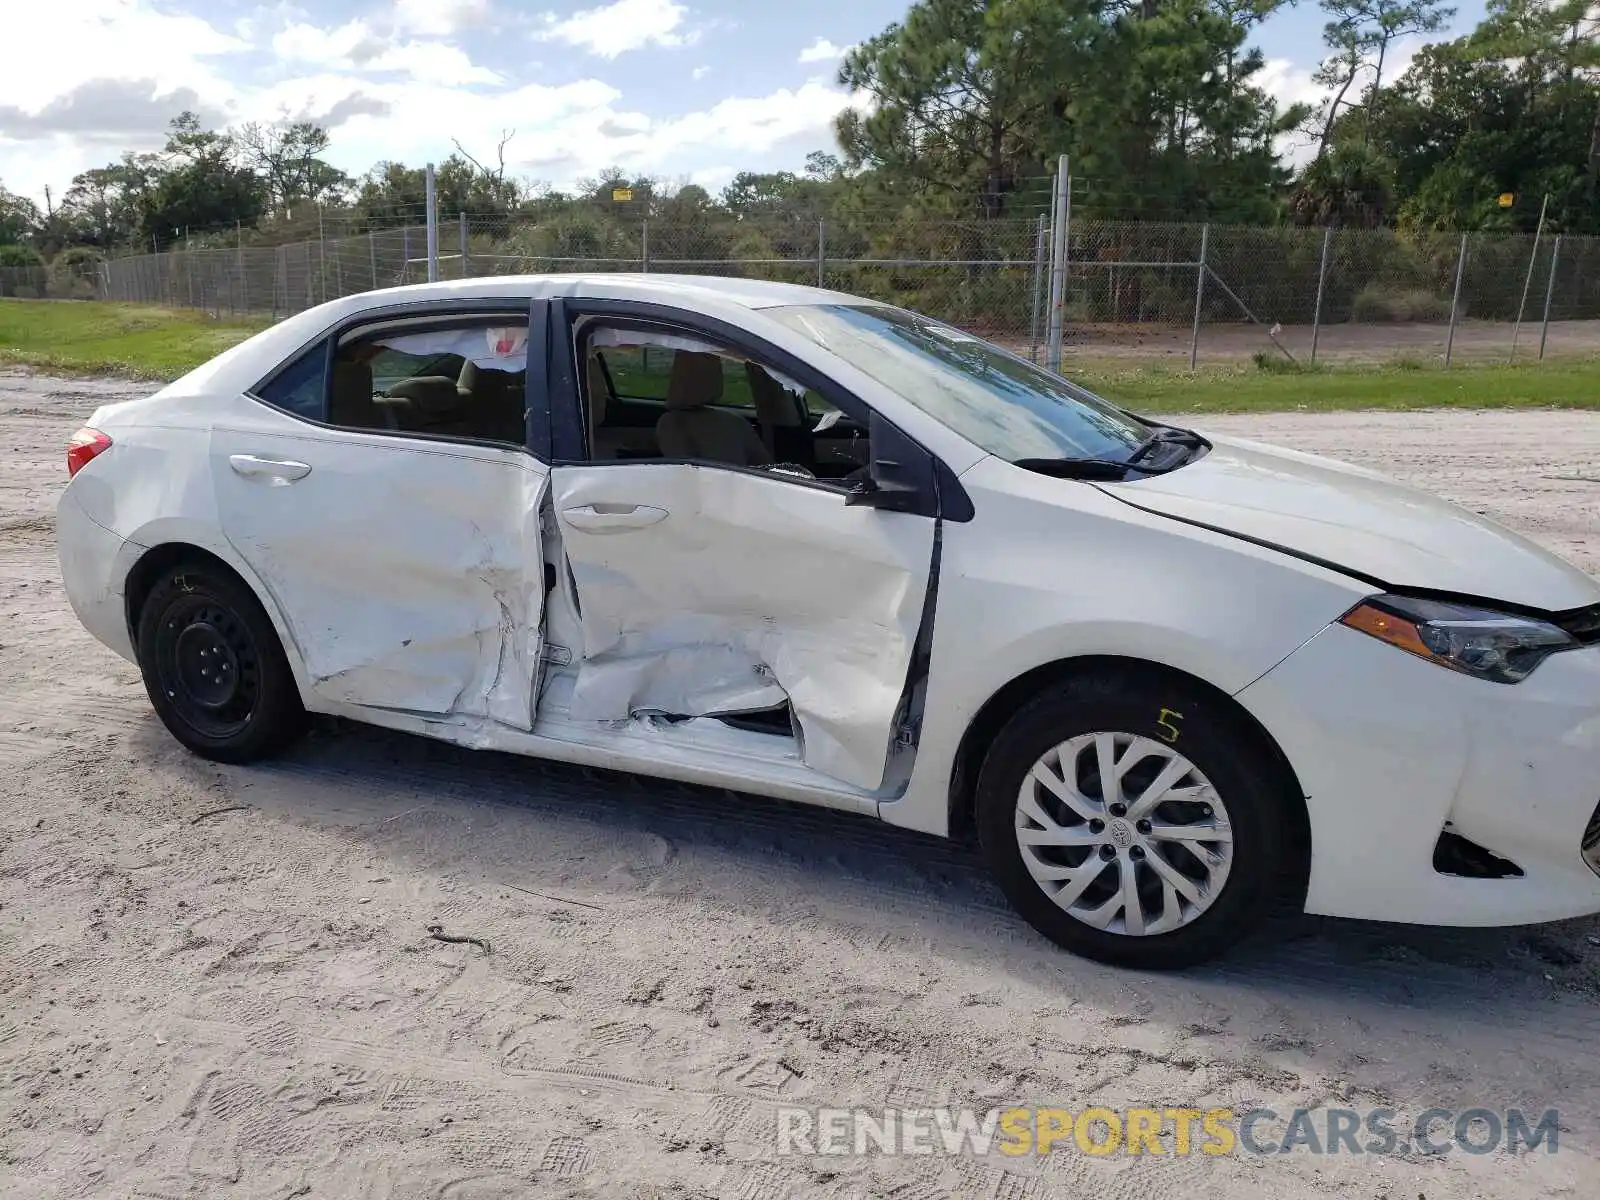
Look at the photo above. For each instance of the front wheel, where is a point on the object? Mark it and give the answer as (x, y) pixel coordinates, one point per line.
(1134, 821)
(214, 668)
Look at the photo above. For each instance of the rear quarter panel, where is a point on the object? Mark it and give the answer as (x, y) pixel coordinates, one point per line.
(154, 487)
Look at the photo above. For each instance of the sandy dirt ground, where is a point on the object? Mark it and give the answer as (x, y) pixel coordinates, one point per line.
(218, 982)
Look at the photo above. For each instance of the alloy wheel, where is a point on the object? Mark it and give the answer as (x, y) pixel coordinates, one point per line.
(1124, 833)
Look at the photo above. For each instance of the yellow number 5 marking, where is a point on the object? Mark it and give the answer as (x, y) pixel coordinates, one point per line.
(1167, 721)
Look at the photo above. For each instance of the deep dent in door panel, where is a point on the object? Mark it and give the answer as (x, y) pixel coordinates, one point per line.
(453, 628)
(752, 592)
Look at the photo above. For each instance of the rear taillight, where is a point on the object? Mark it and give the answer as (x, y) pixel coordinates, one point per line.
(85, 444)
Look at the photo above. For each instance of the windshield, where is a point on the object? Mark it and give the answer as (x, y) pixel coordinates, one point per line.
(1000, 402)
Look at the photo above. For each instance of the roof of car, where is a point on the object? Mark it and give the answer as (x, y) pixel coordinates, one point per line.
(751, 293)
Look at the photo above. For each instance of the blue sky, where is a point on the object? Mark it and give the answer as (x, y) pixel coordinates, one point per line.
(679, 89)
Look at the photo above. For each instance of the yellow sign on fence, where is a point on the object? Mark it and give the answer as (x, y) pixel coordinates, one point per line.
(621, 195)
(1507, 199)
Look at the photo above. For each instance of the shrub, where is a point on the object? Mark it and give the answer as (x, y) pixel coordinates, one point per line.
(1379, 302)
(77, 258)
(20, 256)
(74, 273)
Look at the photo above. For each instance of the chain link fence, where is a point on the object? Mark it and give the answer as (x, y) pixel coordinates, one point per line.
(1139, 291)
(72, 279)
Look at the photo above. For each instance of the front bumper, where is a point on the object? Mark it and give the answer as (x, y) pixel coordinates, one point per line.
(1392, 750)
(91, 572)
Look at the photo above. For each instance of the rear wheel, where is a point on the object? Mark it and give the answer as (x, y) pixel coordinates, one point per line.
(1134, 821)
(213, 666)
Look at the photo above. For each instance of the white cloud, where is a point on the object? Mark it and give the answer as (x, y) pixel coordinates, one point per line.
(748, 124)
(435, 62)
(119, 39)
(357, 46)
(624, 25)
(387, 94)
(310, 44)
(699, 72)
(440, 18)
(713, 179)
(1289, 83)
(822, 50)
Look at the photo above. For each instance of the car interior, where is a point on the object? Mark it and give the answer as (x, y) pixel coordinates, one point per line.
(660, 396)
(376, 385)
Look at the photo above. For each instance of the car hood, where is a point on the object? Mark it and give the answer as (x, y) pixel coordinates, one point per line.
(1360, 521)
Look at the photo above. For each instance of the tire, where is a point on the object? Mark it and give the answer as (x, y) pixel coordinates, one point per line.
(1221, 829)
(214, 668)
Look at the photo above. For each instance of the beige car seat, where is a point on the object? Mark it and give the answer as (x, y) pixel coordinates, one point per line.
(691, 428)
(603, 443)
(494, 402)
(782, 429)
(433, 405)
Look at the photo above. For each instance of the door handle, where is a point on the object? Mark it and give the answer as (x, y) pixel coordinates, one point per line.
(277, 472)
(612, 518)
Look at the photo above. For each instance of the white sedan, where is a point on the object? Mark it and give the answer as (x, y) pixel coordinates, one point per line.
(804, 545)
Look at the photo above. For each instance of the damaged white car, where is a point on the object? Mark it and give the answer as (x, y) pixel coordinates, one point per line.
(799, 544)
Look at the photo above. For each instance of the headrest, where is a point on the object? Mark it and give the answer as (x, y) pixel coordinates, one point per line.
(353, 375)
(696, 380)
(775, 404)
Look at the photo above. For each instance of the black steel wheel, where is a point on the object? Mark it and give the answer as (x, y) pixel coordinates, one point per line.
(213, 666)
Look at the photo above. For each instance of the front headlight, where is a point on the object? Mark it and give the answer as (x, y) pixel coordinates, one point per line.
(1500, 647)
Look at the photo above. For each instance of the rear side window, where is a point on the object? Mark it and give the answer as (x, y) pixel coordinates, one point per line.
(300, 387)
(462, 378)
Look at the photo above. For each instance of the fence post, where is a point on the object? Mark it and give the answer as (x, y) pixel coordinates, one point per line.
(1038, 278)
(1322, 277)
(1058, 267)
(238, 291)
(1455, 301)
(322, 260)
(1527, 281)
(433, 225)
(372, 257)
(280, 277)
(822, 251)
(644, 245)
(1549, 294)
(464, 260)
(1199, 294)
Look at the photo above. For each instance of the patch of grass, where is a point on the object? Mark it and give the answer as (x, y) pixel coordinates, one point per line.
(1276, 364)
(93, 338)
(90, 337)
(1570, 383)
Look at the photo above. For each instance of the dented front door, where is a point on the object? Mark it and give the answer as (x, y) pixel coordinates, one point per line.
(708, 590)
(409, 571)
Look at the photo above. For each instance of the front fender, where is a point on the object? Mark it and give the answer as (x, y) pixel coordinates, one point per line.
(1052, 570)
